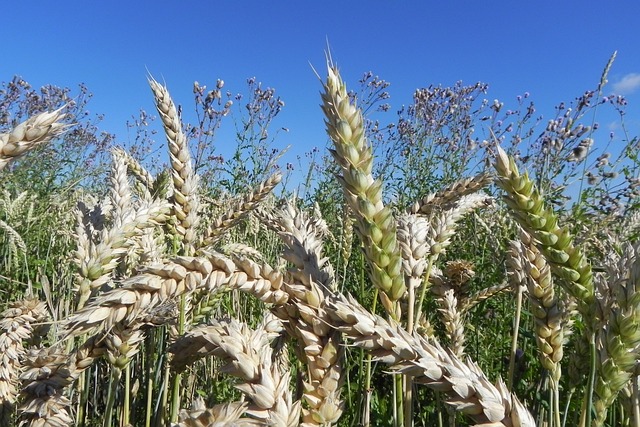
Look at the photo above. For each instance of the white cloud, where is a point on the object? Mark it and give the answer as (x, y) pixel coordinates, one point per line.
(628, 84)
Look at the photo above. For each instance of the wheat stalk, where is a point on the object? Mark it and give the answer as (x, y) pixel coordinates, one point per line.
(34, 131)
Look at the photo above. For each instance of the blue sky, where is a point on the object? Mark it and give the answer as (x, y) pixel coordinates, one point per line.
(554, 50)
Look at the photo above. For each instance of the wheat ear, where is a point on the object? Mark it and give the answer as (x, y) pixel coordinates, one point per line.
(445, 199)
(47, 373)
(16, 326)
(374, 221)
(467, 388)
(120, 190)
(555, 242)
(247, 355)
(223, 415)
(619, 340)
(309, 282)
(140, 295)
(136, 169)
(241, 209)
(27, 135)
(547, 312)
(483, 295)
(185, 181)
(96, 261)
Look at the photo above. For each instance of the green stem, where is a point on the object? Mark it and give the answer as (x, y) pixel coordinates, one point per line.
(366, 415)
(425, 287)
(114, 380)
(514, 339)
(566, 408)
(150, 365)
(588, 400)
(556, 401)
(127, 395)
(398, 411)
(408, 380)
(177, 379)
(635, 401)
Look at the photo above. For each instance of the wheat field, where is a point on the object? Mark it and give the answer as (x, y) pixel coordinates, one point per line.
(253, 309)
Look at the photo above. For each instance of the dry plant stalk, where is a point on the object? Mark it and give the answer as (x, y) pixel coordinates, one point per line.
(34, 131)
(16, 326)
(185, 181)
(346, 243)
(374, 221)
